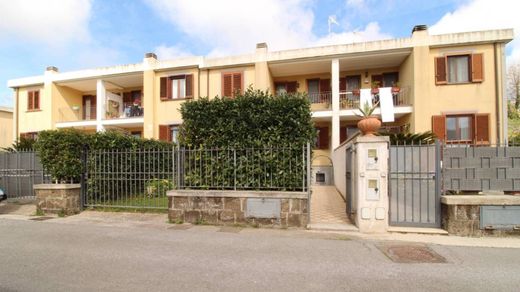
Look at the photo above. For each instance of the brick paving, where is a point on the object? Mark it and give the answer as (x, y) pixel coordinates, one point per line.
(327, 206)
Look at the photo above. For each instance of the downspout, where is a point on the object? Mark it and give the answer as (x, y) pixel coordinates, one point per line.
(15, 116)
(497, 97)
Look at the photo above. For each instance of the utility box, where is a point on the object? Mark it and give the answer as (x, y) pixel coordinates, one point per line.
(499, 217)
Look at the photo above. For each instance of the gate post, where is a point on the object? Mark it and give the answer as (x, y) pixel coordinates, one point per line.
(371, 172)
(83, 179)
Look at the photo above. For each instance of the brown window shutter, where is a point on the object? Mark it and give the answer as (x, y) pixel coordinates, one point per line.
(291, 87)
(342, 134)
(343, 84)
(481, 129)
(439, 127)
(164, 133)
(189, 86)
(324, 138)
(440, 70)
(227, 85)
(237, 84)
(164, 88)
(325, 85)
(37, 99)
(30, 104)
(477, 72)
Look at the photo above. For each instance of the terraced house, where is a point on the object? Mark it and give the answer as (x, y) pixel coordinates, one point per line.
(452, 84)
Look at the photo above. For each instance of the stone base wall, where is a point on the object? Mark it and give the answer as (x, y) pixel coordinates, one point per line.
(58, 198)
(229, 208)
(464, 220)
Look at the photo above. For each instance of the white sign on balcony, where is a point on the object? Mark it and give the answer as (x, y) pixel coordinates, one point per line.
(386, 101)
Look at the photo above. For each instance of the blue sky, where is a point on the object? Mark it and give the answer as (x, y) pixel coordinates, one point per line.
(77, 34)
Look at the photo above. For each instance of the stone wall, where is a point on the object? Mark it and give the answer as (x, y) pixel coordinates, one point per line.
(58, 198)
(461, 214)
(230, 207)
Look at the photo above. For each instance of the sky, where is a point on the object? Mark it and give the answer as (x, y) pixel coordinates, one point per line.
(80, 34)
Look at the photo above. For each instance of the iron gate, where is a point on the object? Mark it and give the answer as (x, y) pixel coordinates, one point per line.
(414, 185)
(19, 171)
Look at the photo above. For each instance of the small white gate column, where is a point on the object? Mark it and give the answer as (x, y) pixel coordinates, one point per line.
(371, 187)
(101, 93)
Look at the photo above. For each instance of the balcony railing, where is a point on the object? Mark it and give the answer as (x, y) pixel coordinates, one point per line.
(129, 111)
(76, 114)
(351, 100)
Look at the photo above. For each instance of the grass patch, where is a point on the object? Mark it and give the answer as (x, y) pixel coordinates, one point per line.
(39, 212)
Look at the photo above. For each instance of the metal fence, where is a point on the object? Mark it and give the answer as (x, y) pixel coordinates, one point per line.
(414, 185)
(480, 168)
(19, 171)
(141, 178)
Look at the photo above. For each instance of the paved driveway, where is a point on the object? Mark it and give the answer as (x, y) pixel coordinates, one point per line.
(79, 256)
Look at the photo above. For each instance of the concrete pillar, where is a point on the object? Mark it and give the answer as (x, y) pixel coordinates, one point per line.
(371, 190)
(149, 63)
(261, 68)
(335, 103)
(100, 104)
(47, 101)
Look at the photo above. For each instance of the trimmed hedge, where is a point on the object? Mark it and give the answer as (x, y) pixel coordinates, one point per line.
(60, 150)
(253, 119)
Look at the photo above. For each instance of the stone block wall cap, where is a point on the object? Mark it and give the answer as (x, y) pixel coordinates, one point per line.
(56, 186)
(237, 194)
(372, 139)
(496, 200)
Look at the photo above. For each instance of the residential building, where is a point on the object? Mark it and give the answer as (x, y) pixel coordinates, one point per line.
(6, 126)
(452, 84)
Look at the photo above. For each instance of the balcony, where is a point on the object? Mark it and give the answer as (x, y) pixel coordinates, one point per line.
(350, 99)
(76, 113)
(321, 101)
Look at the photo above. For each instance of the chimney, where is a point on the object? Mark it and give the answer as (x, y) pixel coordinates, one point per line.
(150, 55)
(420, 27)
(52, 69)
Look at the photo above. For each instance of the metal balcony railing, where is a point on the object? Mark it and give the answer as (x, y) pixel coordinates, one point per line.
(351, 99)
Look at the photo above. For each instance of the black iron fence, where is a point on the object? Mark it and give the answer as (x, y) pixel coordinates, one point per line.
(141, 178)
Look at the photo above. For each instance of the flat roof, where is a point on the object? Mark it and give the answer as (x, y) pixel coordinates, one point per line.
(340, 50)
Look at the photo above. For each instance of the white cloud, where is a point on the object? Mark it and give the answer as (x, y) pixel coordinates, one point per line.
(235, 26)
(166, 53)
(483, 15)
(51, 21)
(358, 4)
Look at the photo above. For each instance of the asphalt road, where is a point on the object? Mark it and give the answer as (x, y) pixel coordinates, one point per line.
(51, 256)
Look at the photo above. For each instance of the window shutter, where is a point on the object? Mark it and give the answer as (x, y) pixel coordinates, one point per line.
(477, 72)
(37, 99)
(291, 87)
(342, 134)
(30, 104)
(164, 88)
(324, 138)
(227, 86)
(439, 127)
(325, 85)
(440, 71)
(482, 129)
(237, 83)
(164, 133)
(343, 84)
(189, 86)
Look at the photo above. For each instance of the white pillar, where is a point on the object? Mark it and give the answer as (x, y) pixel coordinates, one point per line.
(335, 103)
(100, 104)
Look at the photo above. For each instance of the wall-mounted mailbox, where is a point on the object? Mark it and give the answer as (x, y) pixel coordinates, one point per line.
(372, 189)
(372, 159)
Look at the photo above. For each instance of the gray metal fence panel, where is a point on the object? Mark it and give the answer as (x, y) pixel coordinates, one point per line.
(414, 180)
(19, 171)
(479, 168)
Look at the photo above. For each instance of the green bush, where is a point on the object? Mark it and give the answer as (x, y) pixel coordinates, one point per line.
(259, 137)
(158, 187)
(512, 112)
(60, 151)
(22, 144)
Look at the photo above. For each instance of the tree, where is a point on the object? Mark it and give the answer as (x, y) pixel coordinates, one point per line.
(513, 83)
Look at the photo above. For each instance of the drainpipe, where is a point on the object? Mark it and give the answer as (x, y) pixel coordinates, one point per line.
(497, 100)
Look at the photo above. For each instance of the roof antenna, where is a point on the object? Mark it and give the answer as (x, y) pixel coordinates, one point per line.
(332, 20)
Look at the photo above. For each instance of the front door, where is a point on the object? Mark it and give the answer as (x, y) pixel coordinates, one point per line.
(89, 107)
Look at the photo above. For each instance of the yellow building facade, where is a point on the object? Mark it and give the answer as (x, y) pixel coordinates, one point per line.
(451, 84)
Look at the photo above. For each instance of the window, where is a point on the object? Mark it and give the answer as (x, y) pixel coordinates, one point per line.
(353, 83)
(455, 69)
(462, 128)
(285, 87)
(176, 87)
(390, 79)
(231, 84)
(169, 133)
(33, 100)
(29, 135)
(137, 134)
(458, 69)
(459, 128)
(174, 134)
